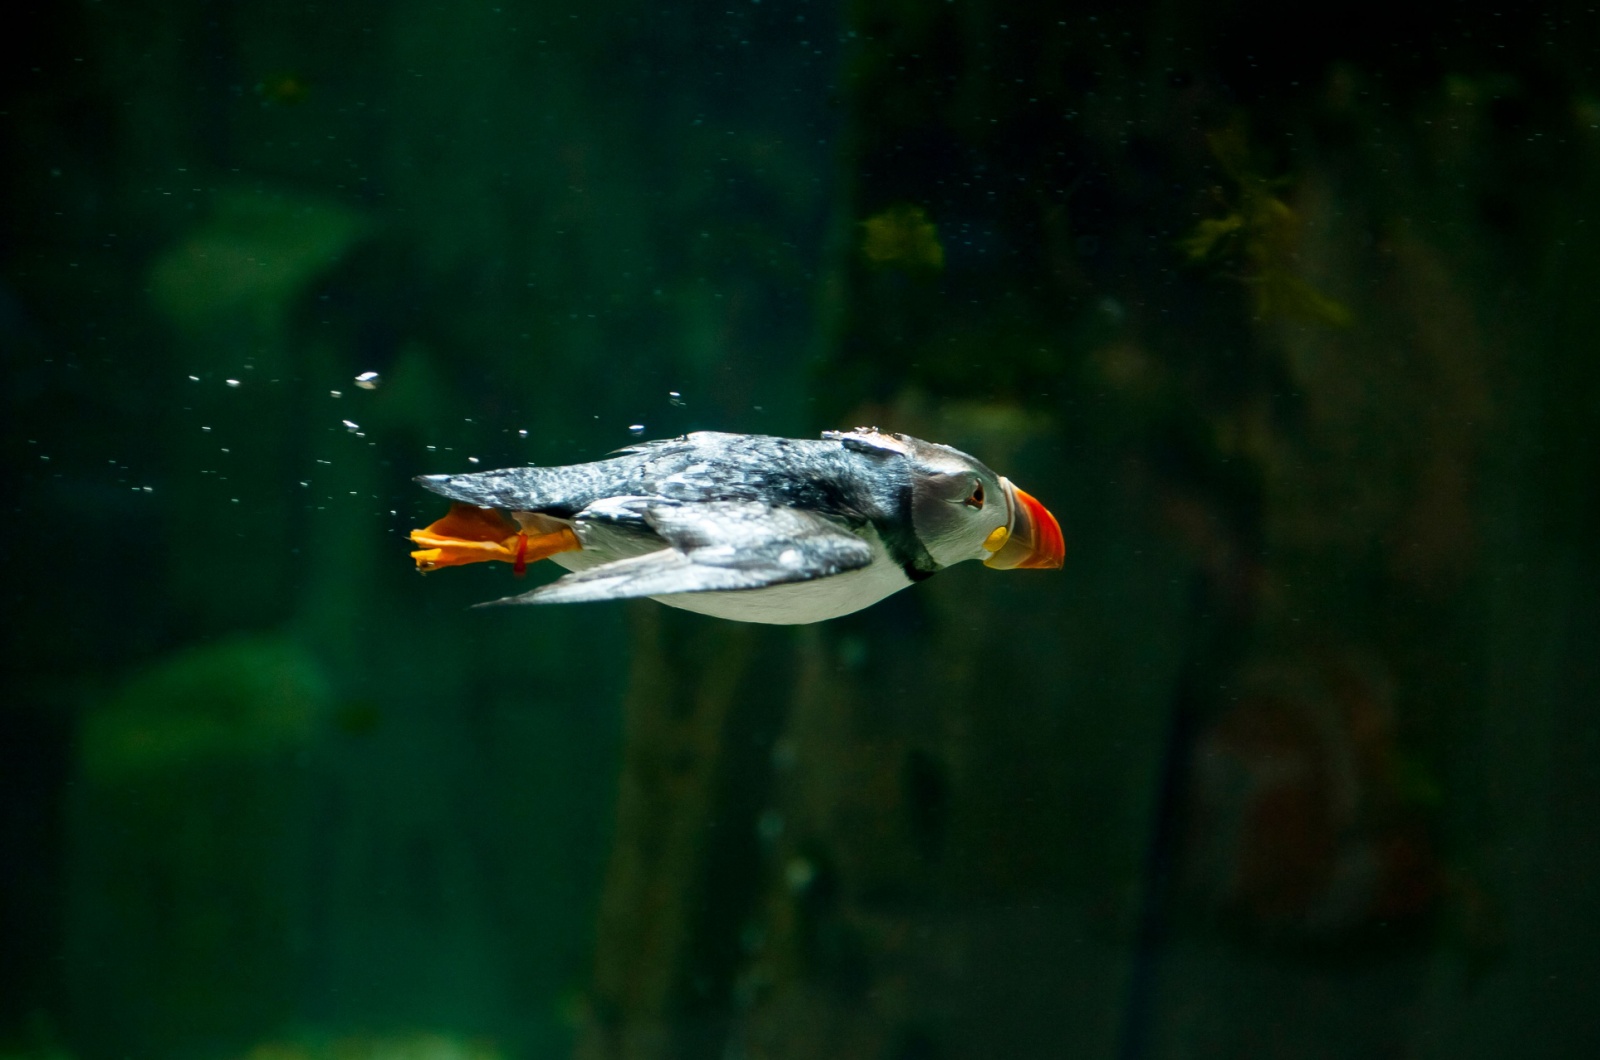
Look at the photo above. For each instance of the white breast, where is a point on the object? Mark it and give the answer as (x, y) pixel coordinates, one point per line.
(796, 603)
(800, 602)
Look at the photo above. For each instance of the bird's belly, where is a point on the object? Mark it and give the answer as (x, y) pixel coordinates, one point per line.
(797, 603)
(789, 604)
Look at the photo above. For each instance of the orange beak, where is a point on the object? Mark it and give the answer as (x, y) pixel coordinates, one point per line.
(1035, 539)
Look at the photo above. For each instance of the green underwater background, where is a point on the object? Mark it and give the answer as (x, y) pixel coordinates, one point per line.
(1289, 314)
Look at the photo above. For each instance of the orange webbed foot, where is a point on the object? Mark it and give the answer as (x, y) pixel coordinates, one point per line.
(469, 534)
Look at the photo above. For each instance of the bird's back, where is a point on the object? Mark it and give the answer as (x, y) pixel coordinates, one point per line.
(703, 466)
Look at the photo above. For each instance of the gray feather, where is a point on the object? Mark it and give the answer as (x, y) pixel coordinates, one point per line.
(824, 476)
(554, 490)
(716, 546)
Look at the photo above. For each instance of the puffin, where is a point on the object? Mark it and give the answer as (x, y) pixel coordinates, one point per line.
(745, 527)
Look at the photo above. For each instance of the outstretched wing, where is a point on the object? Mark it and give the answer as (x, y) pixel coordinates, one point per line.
(721, 546)
(558, 491)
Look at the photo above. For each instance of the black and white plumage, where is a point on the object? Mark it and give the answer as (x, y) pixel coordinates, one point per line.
(750, 527)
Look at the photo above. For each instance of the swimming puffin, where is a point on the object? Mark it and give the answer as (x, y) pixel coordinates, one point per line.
(746, 527)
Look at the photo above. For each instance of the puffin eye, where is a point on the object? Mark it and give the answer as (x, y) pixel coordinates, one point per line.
(976, 500)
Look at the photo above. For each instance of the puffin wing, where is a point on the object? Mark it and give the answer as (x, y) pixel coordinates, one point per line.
(558, 491)
(716, 546)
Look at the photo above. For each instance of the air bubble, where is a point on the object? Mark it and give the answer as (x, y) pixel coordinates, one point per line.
(350, 425)
(368, 380)
(675, 399)
(636, 429)
(231, 382)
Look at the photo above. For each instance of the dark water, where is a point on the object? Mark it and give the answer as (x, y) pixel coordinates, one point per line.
(1287, 315)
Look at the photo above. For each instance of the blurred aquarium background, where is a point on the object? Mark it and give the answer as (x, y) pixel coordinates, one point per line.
(1288, 313)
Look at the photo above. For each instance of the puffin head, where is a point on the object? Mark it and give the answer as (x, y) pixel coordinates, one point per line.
(961, 510)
